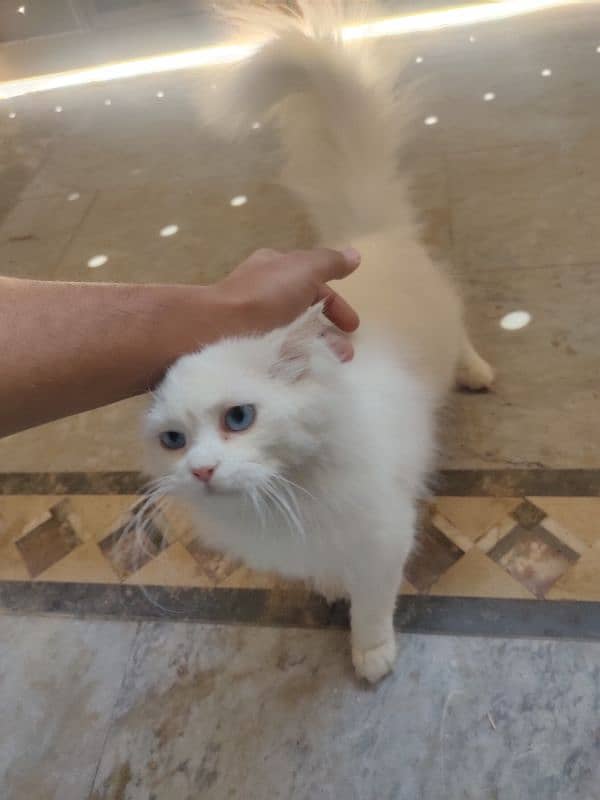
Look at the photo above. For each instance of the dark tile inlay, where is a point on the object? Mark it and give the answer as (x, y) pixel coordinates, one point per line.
(449, 615)
(129, 547)
(534, 557)
(453, 483)
(434, 553)
(49, 541)
(528, 515)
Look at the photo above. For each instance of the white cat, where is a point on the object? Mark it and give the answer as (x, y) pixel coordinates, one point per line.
(295, 461)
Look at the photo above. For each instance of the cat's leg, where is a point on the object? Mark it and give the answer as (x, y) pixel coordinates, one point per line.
(373, 639)
(373, 599)
(473, 371)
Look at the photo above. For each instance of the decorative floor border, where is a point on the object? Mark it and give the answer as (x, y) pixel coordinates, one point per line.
(450, 483)
(456, 616)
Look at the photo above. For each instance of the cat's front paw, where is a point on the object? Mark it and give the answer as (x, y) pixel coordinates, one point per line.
(375, 663)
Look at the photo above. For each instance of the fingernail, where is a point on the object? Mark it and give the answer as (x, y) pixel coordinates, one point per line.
(352, 255)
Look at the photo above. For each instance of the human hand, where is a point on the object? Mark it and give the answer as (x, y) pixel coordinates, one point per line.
(271, 288)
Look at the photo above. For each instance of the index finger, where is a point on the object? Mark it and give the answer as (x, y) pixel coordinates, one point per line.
(328, 265)
(338, 311)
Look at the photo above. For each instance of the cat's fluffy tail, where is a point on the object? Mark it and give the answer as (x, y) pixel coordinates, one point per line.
(336, 111)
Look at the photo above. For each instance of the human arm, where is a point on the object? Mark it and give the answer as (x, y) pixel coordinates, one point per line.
(71, 347)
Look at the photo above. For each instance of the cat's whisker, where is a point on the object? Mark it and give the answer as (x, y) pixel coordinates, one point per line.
(287, 510)
(266, 500)
(288, 487)
(257, 504)
(283, 479)
(289, 499)
(144, 514)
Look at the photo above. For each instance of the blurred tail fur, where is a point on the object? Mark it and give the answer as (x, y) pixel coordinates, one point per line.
(341, 123)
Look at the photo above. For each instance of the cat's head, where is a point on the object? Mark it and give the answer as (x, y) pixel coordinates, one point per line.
(241, 413)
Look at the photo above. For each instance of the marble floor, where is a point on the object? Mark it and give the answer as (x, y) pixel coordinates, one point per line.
(130, 711)
(92, 635)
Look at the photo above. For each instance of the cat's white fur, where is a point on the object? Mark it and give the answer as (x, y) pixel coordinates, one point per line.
(324, 485)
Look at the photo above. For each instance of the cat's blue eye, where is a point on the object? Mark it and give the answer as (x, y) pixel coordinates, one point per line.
(173, 440)
(239, 418)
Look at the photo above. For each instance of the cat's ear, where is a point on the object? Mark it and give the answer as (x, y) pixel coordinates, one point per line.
(293, 358)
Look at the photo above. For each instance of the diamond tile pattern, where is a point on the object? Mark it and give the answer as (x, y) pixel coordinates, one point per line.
(130, 547)
(434, 553)
(49, 541)
(467, 546)
(534, 557)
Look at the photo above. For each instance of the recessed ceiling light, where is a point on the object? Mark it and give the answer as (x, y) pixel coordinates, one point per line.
(97, 261)
(169, 230)
(488, 96)
(73, 196)
(546, 73)
(515, 320)
(58, 109)
(431, 120)
(239, 200)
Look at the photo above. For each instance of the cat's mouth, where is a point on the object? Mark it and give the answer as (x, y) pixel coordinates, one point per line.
(216, 490)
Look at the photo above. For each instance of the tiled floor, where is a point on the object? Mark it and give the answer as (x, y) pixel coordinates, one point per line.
(127, 711)
(509, 193)
(511, 547)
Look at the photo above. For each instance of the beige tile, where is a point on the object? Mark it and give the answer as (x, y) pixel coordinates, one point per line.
(526, 206)
(21, 155)
(124, 224)
(407, 589)
(528, 108)
(580, 582)
(476, 575)
(35, 234)
(105, 439)
(173, 567)
(85, 564)
(474, 516)
(579, 515)
(141, 141)
(94, 516)
(12, 566)
(543, 409)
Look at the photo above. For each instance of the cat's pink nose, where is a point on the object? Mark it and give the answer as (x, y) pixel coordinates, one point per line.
(204, 474)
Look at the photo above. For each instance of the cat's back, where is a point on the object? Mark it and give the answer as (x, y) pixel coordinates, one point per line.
(399, 291)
